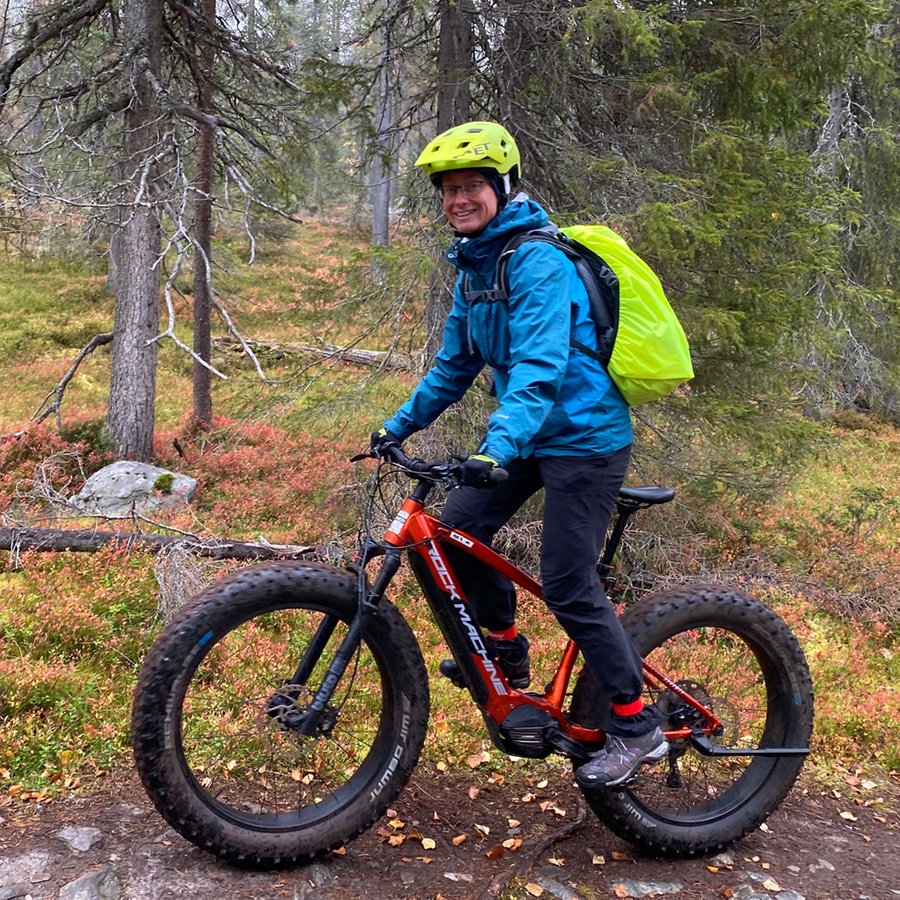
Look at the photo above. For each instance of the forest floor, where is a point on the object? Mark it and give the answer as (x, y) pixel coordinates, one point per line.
(819, 845)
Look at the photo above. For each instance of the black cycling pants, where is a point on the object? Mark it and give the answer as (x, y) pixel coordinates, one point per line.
(579, 495)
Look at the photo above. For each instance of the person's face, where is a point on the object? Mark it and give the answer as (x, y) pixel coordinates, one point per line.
(469, 200)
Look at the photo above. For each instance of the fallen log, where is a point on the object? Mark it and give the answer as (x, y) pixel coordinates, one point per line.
(381, 358)
(89, 540)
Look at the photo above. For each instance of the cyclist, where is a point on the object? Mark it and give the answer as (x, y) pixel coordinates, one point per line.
(560, 425)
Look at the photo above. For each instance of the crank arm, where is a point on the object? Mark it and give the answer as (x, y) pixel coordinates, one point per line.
(705, 747)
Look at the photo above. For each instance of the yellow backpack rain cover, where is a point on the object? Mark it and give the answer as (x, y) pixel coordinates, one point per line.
(650, 356)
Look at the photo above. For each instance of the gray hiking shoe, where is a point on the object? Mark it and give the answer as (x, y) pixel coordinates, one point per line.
(619, 760)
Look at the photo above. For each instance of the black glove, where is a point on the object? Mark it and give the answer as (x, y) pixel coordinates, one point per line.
(381, 440)
(476, 471)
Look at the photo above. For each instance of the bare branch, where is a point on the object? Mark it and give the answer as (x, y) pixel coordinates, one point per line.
(37, 37)
(101, 113)
(41, 413)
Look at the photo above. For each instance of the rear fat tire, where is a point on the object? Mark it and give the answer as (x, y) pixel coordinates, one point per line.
(738, 653)
(216, 764)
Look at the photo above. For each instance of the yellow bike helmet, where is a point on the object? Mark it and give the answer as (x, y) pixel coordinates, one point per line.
(473, 145)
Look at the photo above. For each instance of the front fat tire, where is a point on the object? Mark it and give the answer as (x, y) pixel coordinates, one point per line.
(215, 763)
(741, 657)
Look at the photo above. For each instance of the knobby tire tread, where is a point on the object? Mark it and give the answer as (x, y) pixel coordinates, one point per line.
(161, 689)
(650, 622)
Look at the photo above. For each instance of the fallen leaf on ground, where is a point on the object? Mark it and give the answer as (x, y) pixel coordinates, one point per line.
(534, 889)
(459, 839)
(495, 852)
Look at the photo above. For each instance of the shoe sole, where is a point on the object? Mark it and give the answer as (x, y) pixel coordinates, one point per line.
(651, 759)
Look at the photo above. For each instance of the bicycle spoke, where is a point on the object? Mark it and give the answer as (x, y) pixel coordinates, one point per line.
(248, 760)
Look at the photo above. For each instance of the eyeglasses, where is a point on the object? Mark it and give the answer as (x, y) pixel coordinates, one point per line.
(470, 189)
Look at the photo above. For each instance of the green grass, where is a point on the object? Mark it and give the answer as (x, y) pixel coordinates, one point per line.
(74, 627)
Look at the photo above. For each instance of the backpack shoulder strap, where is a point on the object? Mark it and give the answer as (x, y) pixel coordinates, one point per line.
(598, 279)
(500, 290)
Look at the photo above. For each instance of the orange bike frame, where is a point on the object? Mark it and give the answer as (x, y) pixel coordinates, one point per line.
(422, 536)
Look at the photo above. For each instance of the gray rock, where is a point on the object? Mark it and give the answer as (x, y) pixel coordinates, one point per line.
(29, 867)
(124, 488)
(315, 878)
(748, 892)
(14, 890)
(821, 865)
(556, 888)
(80, 838)
(650, 888)
(101, 884)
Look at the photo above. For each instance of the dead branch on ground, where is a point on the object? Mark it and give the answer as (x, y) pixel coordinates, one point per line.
(20, 539)
(380, 358)
(499, 883)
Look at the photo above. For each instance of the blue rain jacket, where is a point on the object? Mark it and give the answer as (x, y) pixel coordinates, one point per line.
(553, 400)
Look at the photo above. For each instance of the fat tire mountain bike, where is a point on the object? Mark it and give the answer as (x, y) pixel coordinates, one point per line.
(285, 707)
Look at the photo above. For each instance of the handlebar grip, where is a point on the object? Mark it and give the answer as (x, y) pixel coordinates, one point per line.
(498, 475)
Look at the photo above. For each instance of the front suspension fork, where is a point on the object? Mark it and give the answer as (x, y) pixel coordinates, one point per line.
(307, 724)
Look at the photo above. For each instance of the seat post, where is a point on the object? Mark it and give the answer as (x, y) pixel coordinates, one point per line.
(628, 502)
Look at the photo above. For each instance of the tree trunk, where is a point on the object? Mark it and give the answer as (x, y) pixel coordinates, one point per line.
(383, 157)
(454, 103)
(380, 191)
(132, 392)
(203, 234)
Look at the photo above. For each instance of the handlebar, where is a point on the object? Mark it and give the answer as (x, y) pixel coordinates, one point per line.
(446, 473)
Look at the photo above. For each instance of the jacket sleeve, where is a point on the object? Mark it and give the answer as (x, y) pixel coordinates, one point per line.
(541, 285)
(455, 368)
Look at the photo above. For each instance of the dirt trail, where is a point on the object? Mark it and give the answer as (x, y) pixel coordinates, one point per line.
(817, 847)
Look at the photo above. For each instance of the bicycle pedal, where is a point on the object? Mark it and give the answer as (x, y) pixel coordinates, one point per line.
(449, 669)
